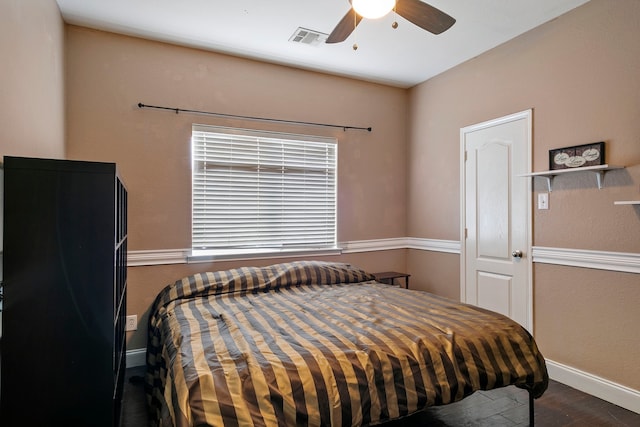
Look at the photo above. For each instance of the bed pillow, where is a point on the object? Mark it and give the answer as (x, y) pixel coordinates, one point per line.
(262, 279)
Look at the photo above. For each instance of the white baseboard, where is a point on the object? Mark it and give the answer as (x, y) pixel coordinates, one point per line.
(136, 357)
(617, 394)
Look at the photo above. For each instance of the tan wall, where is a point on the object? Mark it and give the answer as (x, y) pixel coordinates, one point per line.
(581, 75)
(588, 319)
(31, 79)
(108, 75)
(435, 272)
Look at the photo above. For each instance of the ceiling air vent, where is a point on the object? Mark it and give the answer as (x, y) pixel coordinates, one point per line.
(310, 37)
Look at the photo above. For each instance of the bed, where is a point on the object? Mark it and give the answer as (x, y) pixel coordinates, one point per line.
(313, 343)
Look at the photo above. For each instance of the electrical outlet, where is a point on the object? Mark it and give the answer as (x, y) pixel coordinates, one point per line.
(543, 200)
(132, 323)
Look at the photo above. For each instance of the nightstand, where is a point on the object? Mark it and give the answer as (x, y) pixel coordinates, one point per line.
(389, 277)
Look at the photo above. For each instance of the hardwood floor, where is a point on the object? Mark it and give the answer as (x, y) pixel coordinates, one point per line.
(507, 407)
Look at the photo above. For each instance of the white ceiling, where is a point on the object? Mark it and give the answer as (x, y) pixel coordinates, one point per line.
(261, 29)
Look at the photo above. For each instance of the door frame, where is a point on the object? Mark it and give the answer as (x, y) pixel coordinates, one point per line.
(528, 116)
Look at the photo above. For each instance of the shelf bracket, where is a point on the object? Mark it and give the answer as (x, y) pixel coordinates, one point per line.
(549, 180)
(599, 178)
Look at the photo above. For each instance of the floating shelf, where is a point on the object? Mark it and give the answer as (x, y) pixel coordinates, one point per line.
(627, 202)
(599, 172)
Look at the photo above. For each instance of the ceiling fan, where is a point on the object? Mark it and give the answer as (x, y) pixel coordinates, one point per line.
(421, 14)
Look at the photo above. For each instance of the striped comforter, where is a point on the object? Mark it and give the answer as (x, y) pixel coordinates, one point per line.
(321, 344)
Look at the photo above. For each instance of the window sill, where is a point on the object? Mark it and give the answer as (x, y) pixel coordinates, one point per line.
(197, 256)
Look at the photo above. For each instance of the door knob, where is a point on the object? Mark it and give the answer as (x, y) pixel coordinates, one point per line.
(516, 254)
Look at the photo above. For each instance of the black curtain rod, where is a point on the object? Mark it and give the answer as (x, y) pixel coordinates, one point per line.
(233, 116)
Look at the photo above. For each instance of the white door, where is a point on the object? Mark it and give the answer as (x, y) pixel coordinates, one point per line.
(496, 224)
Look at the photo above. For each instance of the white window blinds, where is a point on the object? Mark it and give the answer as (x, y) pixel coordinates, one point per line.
(259, 190)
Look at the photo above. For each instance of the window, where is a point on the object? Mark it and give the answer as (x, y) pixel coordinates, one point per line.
(256, 192)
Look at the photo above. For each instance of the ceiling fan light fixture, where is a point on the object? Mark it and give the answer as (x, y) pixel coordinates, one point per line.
(373, 9)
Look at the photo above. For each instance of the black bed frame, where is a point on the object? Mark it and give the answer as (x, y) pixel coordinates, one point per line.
(531, 411)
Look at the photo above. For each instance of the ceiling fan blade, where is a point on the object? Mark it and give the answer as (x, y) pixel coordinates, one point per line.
(344, 27)
(424, 16)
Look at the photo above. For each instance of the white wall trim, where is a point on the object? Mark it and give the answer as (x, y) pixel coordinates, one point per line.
(447, 246)
(157, 257)
(181, 256)
(136, 357)
(604, 389)
(601, 260)
(373, 245)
